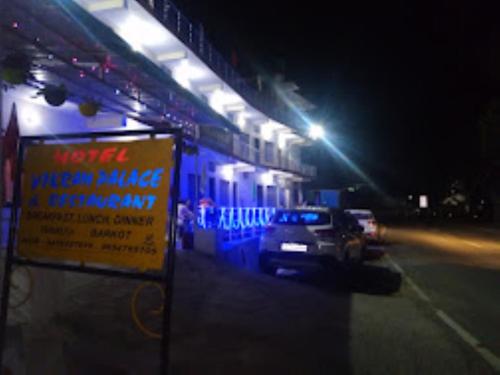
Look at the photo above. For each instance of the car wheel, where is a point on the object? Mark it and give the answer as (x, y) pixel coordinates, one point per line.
(363, 254)
(265, 266)
(351, 264)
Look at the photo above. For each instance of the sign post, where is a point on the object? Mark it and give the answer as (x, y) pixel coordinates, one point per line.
(97, 207)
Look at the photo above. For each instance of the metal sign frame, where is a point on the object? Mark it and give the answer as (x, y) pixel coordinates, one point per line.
(165, 277)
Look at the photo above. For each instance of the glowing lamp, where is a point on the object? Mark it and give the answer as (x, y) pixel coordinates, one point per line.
(267, 132)
(31, 117)
(281, 142)
(316, 132)
(267, 179)
(150, 34)
(184, 72)
(226, 172)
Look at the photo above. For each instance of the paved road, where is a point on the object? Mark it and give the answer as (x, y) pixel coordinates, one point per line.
(229, 320)
(457, 272)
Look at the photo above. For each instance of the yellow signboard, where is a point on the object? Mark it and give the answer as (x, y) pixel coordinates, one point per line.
(96, 202)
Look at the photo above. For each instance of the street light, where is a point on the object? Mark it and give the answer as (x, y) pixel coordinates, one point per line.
(316, 132)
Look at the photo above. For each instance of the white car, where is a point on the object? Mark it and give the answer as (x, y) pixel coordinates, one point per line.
(367, 220)
(299, 236)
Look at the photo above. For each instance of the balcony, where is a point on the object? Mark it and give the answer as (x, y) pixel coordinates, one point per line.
(308, 170)
(193, 37)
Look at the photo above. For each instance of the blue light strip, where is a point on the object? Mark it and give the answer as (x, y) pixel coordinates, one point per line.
(234, 218)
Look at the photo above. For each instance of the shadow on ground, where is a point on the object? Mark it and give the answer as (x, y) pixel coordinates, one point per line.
(225, 320)
(368, 279)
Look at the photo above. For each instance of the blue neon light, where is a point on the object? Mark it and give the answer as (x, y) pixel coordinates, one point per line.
(234, 218)
(302, 218)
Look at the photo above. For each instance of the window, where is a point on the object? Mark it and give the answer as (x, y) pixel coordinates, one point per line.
(260, 196)
(224, 192)
(271, 196)
(235, 194)
(296, 196)
(256, 150)
(245, 145)
(291, 217)
(211, 188)
(282, 197)
(268, 152)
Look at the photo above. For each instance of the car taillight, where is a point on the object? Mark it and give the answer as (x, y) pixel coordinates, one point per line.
(324, 233)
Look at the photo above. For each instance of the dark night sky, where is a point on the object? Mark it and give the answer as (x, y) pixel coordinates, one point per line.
(398, 83)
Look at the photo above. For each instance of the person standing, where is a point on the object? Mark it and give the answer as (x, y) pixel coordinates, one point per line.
(185, 218)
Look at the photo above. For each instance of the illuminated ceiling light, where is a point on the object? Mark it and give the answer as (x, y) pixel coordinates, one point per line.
(241, 119)
(217, 101)
(138, 106)
(31, 118)
(316, 132)
(206, 89)
(282, 141)
(171, 56)
(138, 33)
(40, 75)
(185, 72)
(227, 172)
(266, 131)
(267, 178)
(101, 5)
(235, 107)
(243, 167)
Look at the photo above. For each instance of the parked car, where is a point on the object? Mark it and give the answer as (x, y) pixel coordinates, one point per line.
(366, 219)
(305, 235)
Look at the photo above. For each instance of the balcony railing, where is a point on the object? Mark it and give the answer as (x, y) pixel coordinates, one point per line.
(193, 36)
(308, 170)
(244, 151)
(235, 223)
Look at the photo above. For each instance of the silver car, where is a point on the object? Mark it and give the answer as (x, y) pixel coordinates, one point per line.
(305, 235)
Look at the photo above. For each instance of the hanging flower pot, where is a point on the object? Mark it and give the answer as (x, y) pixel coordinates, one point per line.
(13, 76)
(55, 95)
(16, 68)
(89, 108)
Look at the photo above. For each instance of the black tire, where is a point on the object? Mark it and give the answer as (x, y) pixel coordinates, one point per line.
(351, 265)
(364, 254)
(265, 266)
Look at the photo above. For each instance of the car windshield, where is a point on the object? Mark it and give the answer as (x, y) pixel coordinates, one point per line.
(297, 217)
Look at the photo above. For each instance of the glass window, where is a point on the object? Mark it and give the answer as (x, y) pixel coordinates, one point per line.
(271, 196)
(224, 192)
(290, 217)
(260, 196)
(269, 152)
(211, 188)
(235, 194)
(245, 145)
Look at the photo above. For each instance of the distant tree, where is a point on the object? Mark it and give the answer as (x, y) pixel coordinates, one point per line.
(489, 124)
(490, 115)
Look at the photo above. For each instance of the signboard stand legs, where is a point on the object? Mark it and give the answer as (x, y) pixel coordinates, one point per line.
(165, 277)
(170, 261)
(10, 253)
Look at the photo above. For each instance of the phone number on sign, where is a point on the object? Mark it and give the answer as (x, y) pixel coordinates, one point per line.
(130, 249)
